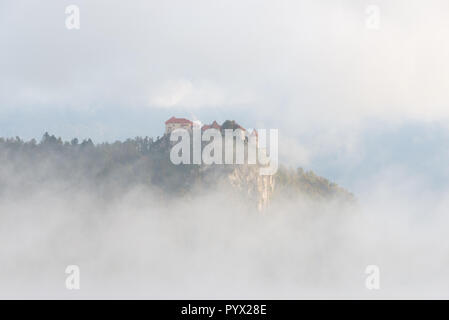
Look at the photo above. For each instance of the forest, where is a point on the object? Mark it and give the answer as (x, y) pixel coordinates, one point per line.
(111, 169)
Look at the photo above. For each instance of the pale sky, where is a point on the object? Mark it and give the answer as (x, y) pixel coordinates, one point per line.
(337, 89)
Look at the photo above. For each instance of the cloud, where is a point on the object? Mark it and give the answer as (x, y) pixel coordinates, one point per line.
(184, 94)
(308, 58)
(136, 244)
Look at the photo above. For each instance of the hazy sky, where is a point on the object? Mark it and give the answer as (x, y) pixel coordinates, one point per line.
(337, 86)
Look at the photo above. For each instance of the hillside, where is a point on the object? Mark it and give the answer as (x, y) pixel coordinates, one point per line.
(110, 169)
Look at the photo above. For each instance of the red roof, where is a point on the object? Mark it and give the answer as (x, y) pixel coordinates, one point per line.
(178, 120)
(214, 125)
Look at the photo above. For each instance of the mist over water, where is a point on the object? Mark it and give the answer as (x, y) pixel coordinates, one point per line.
(137, 244)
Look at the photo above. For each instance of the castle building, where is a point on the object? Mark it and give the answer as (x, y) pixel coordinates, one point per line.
(177, 123)
(214, 125)
(182, 123)
(242, 132)
(255, 135)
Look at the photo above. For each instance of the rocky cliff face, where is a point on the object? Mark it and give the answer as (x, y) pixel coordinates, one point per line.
(247, 180)
(286, 183)
(255, 189)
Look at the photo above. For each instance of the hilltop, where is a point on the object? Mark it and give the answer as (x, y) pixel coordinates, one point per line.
(112, 168)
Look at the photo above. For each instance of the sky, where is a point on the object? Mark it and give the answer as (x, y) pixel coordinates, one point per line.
(356, 88)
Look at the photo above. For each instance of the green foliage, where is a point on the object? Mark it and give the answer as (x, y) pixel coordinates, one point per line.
(292, 182)
(140, 161)
(230, 124)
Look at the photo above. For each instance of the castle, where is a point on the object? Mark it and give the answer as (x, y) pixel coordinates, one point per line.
(182, 123)
(246, 179)
(177, 123)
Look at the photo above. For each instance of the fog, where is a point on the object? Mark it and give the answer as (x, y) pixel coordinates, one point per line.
(138, 244)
